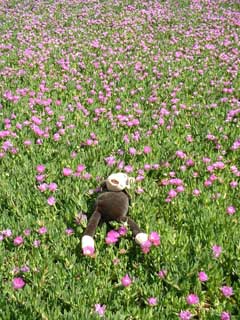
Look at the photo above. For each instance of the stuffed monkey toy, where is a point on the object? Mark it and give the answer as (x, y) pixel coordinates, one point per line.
(112, 205)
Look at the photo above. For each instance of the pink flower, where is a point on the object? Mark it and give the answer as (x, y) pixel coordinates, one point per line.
(162, 274)
(110, 161)
(128, 169)
(145, 246)
(27, 232)
(51, 201)
(126, 281)
(207, 183)
(172, 193)
(69, 231)
(225, 316)
(192, 299)
(132, 151)
(40, 177)
(231, 210)
(42, 230)
(227, 291)
(43, 187)
(196, 192)
(202, 276)
(40, 168)
(233, 184)
(36, 243)
(25, 269)
(52, 186)
(189, 163)
(81, 167)
(152, 301)
(180, 154)
(7, 233)
(18, 241)
(180, 188)
(185, 315)
(147, 149)
(122, 231)
(116, 261)
(18, 283)
(100, 310)
(112, 237)
(147, 167)
(217, 250)
(154, 238)
(88, 251)
(27, 142)
(67, 172)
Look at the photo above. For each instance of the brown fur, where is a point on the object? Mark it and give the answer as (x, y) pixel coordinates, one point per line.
(111, 206)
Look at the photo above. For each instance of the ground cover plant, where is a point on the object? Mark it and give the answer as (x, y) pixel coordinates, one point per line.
(150, 88)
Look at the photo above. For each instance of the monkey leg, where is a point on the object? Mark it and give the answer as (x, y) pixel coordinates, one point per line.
(140, 237)
(87, 239)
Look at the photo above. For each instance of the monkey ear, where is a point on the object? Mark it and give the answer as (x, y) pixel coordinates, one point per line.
(130, 180)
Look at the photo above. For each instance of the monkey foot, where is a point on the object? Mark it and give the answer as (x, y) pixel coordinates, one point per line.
(141, 238)
(88, 245)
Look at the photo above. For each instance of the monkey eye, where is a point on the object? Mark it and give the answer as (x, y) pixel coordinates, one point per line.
(114, 181)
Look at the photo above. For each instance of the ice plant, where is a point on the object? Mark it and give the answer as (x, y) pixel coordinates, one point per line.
(162, 274)
(27, 232)
(40, 168)
(147, 149)
(81, 168)
(25, 268)
(52, 186)
(152, 301)
(126, 281)
(192, 299)
(225, 316)
(18, 241)
(227, 291)
(145, 246)
(185, 315)
(122, 231)
(202, 276)
(154, 238)
(42, 230)
(69, 231)
(100, 309)
(36, 243)
(18, 283)
(67, 172)
(7, 233)
(93, 87)
(112, 237)
(217, 250)
(51, 201)
(231, 210)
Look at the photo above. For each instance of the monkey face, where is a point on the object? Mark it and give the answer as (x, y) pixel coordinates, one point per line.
(117, 182)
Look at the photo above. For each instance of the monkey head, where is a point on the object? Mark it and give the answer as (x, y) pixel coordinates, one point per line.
(118, 181)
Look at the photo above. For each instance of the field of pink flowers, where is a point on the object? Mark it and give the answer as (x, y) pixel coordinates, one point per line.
(149, 88)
